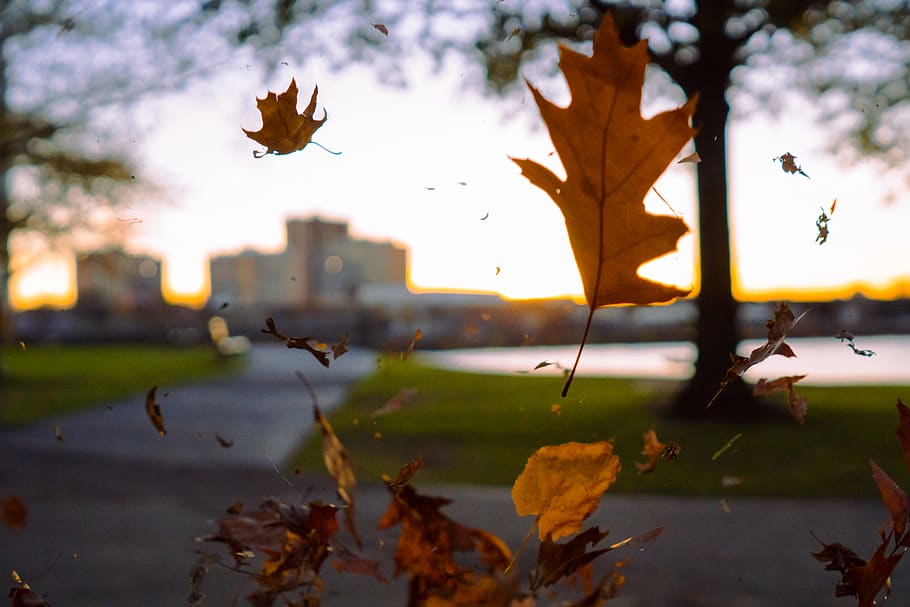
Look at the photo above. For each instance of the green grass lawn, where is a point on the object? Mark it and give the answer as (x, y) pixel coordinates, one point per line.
(473, 428)
(49, 380)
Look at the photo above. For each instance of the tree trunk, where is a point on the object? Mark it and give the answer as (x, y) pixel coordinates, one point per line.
(6, 154)
(716, 329)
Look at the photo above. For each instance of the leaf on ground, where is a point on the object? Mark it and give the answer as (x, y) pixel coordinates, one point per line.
(410, 349)
(788, 164)
(655, 451)
(338, 463)
(429, 540)
(893, 497)
(400, 400)
(563, 485)
(14, 512)
(283, 129)
(153, 410)
(778, 328)
(903, 430)
(798, 404)
(612, 156)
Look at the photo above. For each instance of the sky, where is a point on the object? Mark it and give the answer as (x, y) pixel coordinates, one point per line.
(423, 166)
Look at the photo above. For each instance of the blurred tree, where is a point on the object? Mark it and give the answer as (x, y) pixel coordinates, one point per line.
(64, 156)
(852, 56)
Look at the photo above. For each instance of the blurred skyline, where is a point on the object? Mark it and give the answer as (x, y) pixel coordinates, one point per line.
(428, 167)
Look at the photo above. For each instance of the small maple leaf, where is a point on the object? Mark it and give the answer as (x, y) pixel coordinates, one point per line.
(563, 485)
(283, 129)
(153, 410)
(612, 156)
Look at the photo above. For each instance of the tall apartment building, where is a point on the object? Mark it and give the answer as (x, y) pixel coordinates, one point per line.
(116, 280)
(320, 266)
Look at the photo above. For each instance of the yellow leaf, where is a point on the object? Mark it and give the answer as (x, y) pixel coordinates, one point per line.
(563, 484)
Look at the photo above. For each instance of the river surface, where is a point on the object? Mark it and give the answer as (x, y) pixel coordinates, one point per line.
(826, 360)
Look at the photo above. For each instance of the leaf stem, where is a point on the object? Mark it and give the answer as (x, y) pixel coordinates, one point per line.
(524, 544)
(581, 346)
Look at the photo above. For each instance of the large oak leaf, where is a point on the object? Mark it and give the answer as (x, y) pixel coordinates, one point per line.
(612, 156)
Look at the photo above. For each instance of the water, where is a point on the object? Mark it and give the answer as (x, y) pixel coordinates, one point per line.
(826, 360)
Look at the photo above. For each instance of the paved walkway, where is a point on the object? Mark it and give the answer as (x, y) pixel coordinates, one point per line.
(113, 511)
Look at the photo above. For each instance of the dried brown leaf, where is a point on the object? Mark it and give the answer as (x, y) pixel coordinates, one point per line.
(153, 410)
(283, 129)
(338, 463)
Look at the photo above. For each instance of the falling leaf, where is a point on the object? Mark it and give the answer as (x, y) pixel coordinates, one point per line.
(401, 399)
(58, 433)
(903, 430)
(341, 347)
(224, 442)
(797, 403)
(382, 29)
(26, 597)
(783, 323)
(611, 156)
(338, 463)
(694, 158)
(22, 346)
(833, 204)
(788, 164)
(343, 560)
(864, 580)
(410, 349)
(283, 129)
(498, 270)
(893, 497)
(153, 410)
(200, 569)
(655, 451)
(726, 446)
(556, 561)
(14, 512)
(429, 541)
(223, 306)
(405, 474)
(822, 224)
(844, 334)
(513, 33)
(235, 508)
(563, 485)
(485, 216)
(318, 349)
(728, 480)
(556, 408)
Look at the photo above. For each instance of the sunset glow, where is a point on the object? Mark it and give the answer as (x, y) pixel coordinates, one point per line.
(441, 183)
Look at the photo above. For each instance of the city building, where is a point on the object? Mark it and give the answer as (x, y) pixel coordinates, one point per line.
(321, 266)
(118, 281)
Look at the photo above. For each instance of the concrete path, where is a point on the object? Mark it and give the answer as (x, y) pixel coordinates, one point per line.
(113, 511)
